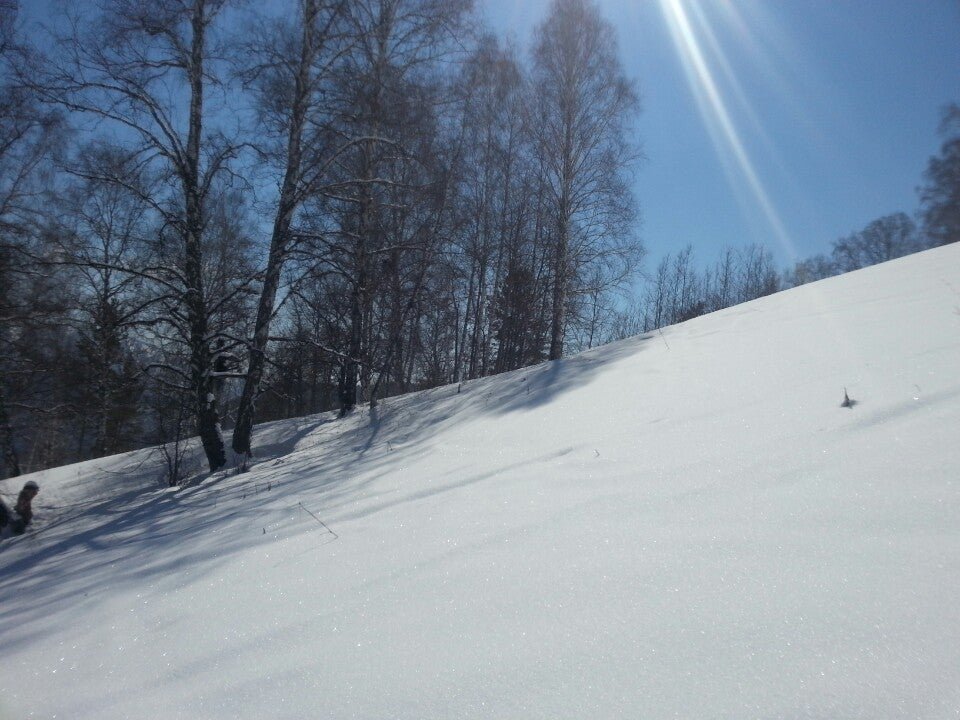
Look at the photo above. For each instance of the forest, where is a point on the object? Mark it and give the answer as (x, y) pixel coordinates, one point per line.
(213, 216)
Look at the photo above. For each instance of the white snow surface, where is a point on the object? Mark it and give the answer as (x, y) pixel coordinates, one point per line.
(680, 525)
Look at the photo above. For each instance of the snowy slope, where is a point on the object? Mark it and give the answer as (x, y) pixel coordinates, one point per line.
(682, 525)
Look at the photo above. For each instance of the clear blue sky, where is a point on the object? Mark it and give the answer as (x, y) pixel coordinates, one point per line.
(814, 116)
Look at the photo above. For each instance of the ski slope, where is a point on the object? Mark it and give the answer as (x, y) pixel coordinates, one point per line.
(680, 525)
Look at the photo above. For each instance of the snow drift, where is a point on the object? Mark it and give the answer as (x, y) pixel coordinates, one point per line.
(685, 524)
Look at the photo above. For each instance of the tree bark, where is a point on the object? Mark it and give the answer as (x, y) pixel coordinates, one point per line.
(201, 365)
(280, 238)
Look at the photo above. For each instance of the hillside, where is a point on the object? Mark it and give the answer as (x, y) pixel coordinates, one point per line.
(680, 525)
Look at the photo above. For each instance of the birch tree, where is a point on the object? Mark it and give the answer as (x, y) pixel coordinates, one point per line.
(294, 71)
(143, 70)
(388, 194)
(583, 104)
(495, 158)
(100, 228)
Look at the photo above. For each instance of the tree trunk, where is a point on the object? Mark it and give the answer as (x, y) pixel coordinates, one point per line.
(10, 458)
(558, 317)
(350, 375)
(279, 240)
(208, 421)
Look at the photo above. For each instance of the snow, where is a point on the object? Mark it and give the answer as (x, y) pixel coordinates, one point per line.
(679, 525)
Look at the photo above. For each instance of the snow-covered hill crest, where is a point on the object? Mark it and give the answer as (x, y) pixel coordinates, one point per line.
(685, 524)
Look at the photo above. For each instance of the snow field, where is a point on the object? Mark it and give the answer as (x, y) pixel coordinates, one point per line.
(680, 525)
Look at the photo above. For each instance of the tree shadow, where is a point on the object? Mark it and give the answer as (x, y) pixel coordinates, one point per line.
(344, 457)
(153, 538)
(543, 384)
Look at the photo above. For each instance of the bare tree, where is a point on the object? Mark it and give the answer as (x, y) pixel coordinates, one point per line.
(100, 228)
(489, 195)
(757, 275)
(30, 136)
(290, 78)
(583, 104)
(886, 238)
(810, 270)
(940, 195)
(889, 237)
(388, 195)
(685, 300)
(144, 70)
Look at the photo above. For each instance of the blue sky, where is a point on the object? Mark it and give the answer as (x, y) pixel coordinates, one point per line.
(821, 118)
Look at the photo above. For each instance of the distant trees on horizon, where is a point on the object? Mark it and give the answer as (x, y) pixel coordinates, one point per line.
(940, 193)
(679, 289)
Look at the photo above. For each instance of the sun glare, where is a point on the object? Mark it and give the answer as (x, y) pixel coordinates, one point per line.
(702, 56)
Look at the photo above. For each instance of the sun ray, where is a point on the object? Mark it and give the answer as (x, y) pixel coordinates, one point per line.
(714, 107)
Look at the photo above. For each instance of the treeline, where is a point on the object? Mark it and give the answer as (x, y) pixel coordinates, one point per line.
(215, 217)
(681, 288)
(211, 217)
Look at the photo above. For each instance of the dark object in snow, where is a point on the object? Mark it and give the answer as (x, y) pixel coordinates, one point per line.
(847, 402)
(22, 512)
(23, 508)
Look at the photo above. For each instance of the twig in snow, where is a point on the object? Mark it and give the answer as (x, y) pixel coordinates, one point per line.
(319, 521)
